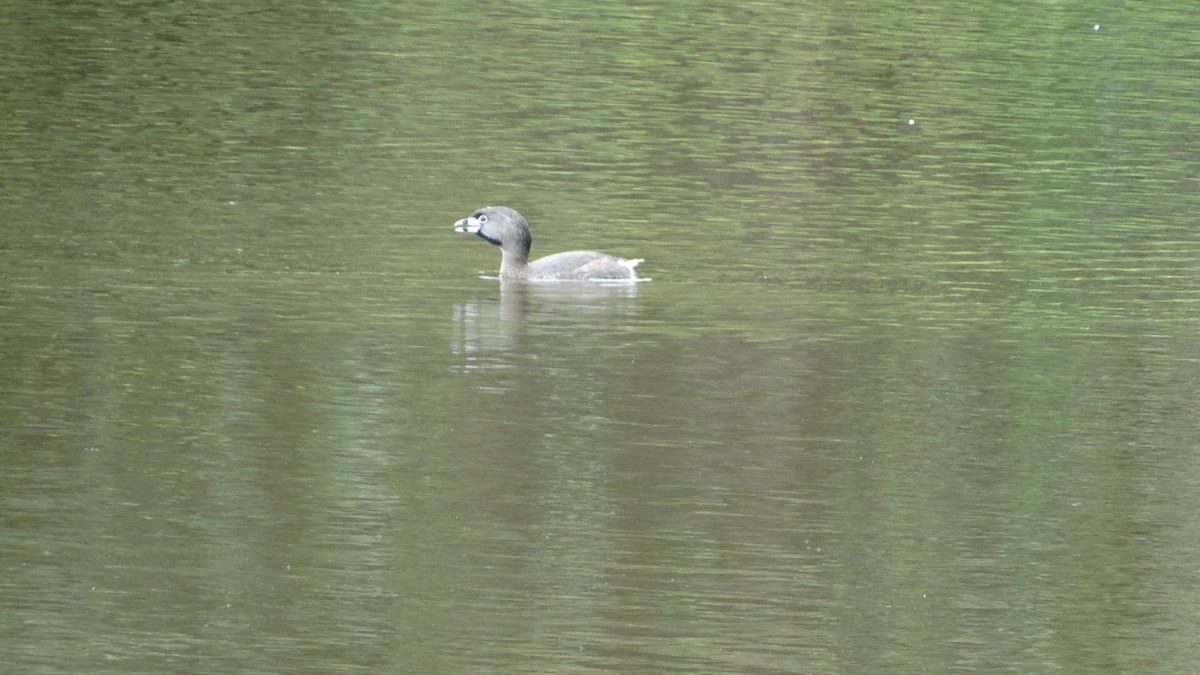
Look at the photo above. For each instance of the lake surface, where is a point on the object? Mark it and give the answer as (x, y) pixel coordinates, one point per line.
(913, 388)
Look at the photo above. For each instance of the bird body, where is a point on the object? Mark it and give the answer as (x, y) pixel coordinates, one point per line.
(507, 229)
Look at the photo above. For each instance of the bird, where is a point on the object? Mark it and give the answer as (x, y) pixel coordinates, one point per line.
(509, 230)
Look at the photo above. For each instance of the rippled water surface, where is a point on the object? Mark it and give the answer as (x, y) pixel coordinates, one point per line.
(913, 388)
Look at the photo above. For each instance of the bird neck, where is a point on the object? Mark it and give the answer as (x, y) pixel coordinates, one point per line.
(513, 263)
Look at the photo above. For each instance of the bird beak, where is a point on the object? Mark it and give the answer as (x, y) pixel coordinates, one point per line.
(468, 226)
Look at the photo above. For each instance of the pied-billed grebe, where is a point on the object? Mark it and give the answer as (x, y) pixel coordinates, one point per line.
(507, 229)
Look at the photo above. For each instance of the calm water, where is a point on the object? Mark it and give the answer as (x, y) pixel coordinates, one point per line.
(913, 388)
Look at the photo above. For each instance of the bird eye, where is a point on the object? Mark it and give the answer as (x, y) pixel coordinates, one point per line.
(482, 218)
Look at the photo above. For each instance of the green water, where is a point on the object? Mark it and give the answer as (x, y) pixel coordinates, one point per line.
(912, 389)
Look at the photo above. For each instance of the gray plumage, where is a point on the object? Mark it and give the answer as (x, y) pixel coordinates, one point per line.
(507, 229)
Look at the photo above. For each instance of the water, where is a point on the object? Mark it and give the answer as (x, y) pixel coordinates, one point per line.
(912, 388)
